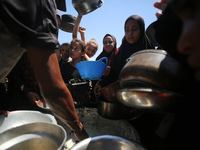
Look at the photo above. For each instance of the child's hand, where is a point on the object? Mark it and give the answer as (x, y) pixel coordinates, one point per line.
(82, 30)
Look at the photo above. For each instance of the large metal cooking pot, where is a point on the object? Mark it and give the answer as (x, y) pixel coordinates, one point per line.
(86, 6)
(107, 142)
(21, 117)
(34, 136)
(153, 68)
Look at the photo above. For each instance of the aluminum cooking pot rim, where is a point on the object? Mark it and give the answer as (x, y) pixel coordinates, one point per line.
(31, 129)
(85, 144)
(157, 51)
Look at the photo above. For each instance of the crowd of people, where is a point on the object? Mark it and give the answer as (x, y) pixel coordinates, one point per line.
(37, 67)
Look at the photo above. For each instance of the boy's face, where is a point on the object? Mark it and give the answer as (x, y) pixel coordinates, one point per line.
(75, 51)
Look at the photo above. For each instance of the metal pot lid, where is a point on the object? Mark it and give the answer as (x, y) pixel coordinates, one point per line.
(67, 23)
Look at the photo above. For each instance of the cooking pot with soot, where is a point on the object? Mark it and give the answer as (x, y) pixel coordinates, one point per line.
(152, 80)
(153, 68)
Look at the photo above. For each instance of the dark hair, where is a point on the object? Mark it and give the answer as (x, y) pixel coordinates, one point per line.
(66, 44)
(83, 47)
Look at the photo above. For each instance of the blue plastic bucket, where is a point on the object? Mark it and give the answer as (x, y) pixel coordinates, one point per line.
(92, 70)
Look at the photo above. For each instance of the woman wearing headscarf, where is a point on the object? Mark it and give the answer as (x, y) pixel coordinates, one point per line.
(135, 39)
(109, 50)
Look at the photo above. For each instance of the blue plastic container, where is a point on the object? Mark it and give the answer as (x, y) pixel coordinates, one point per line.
(92, 70)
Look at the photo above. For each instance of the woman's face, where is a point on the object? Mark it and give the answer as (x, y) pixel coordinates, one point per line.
(91, 49)
(132, 31)
(108, 44)
(75, 51)
(189, 42)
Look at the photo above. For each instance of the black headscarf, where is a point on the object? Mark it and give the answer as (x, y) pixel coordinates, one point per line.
(126, 49)
(110, 55)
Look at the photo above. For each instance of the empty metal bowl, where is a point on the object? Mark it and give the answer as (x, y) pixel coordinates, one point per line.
(150, 99)
(107, 142)
(84, 7)
(21, 117)
(67, 23)
(34, 136)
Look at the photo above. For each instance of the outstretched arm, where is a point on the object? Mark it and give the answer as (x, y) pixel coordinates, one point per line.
(53, 88)
(82, 32)
(76, 27)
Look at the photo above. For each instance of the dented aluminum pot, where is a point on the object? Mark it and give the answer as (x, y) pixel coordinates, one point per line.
(153, 68)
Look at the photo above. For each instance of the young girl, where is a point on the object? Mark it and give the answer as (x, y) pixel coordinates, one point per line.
(135, 39)
(71, 75)
(76, 52)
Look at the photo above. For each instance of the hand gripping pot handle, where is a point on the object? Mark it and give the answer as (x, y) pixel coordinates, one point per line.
(103, 58)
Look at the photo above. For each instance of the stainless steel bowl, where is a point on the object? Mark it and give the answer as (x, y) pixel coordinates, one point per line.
(84, 7)
(107, 142)
(34, 136)
(150, 99)
(21, 117)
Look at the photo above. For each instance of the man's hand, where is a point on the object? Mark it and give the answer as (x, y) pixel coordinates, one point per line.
(4, 112)
(81, 135)
(96, 89)
(33, 97)
(107, 71)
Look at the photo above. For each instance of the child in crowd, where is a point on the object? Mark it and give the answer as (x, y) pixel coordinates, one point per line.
(71, 75)
(91, 46)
